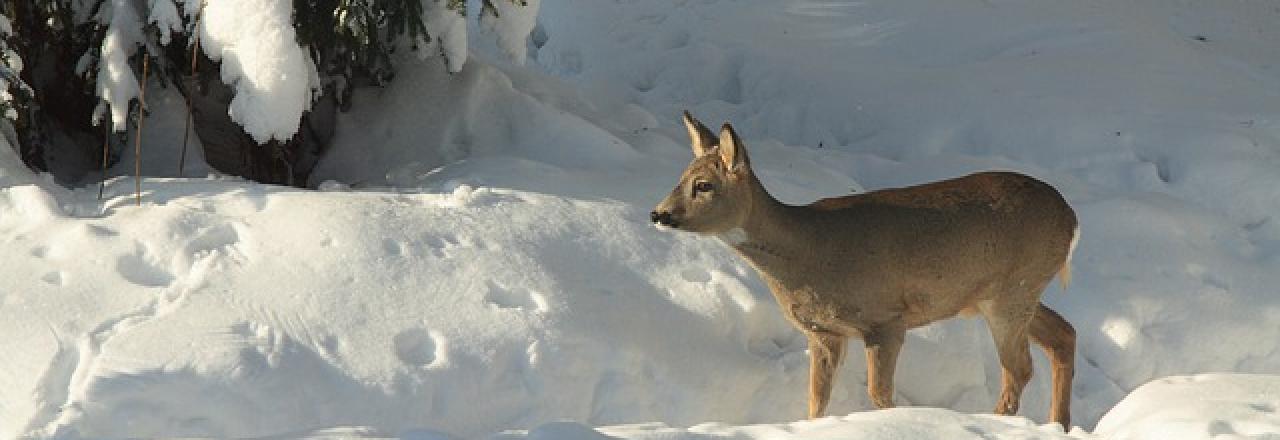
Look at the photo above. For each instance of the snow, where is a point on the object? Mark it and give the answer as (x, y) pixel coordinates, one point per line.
(507, 31)
(906, 423)
(117, 84)
(448, 31)
(273, 77)
(1206, 406)
(478, 262)
(163, 131)
(164, 15)
(511, 23)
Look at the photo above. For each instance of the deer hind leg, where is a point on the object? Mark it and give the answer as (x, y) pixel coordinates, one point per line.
(1009, 324)
(826, 352)
(1058, 339)
(882, 347)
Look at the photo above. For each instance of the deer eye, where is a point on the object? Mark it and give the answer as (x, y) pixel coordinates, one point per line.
(701, 187)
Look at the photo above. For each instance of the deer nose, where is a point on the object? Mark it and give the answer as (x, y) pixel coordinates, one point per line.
(662, 218)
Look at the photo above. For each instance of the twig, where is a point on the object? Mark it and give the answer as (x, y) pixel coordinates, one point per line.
(137, 135)
(106, 138)
(195, 50)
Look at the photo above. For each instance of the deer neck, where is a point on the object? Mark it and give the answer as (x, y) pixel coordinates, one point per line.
(767, 235)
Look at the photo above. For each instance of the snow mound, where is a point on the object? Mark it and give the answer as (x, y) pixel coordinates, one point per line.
(1207, 406)
(384, 311)
(895, 424)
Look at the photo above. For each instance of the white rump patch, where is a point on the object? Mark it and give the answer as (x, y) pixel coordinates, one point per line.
(1064, 274)
(1075, 239)
(734, 237)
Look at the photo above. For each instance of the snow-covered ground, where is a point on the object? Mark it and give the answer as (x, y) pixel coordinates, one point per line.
(478, 260)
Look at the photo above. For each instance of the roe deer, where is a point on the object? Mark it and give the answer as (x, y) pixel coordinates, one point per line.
(873, 265)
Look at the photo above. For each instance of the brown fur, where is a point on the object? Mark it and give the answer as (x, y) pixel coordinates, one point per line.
(874, 265)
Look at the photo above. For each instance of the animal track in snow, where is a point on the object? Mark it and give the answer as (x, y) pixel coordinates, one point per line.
(515, 298)
(775, 346)
(56, 278)
(674, 40)
(437, 245)
(224, 238)
(71, 370)
(812, 9)
(416, 347)
(100, 231)
(393, 247)
(695, 275)
(138, 268)
(443, 246)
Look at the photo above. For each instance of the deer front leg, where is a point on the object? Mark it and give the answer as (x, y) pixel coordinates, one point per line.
(882, 346)
(826, 352)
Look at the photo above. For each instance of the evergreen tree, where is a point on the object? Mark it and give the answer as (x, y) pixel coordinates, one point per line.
(67, 45)
(17, 100)
(353, 40)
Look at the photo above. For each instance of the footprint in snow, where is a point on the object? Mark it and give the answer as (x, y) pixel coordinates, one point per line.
(443, 246)
(515, 298)
(56, 278)
(100, 231)
(220, 238)
(674, 40)
(393, 247)
(138, 269)
(696, 275)
(416, 347)
(1263, 407)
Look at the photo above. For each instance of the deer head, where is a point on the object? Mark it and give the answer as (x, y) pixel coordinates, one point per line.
(716, 191)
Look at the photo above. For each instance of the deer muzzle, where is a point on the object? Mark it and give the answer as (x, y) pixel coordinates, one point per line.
(662, 219)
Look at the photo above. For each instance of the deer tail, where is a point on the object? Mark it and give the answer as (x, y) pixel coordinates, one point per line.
(1064, 274)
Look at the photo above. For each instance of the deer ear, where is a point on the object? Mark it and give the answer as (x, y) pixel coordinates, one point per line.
(732, 152)
(700, 136)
